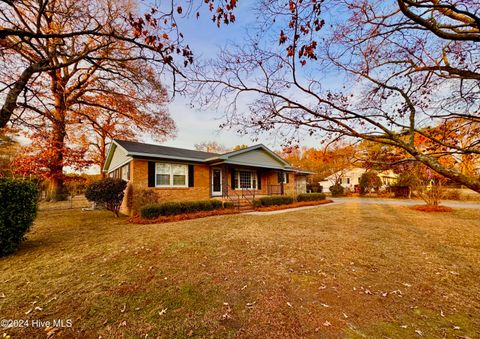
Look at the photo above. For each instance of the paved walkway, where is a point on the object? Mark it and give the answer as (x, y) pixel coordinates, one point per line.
(376, 201)
(406, 202)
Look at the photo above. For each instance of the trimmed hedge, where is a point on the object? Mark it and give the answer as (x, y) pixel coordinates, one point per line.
(228, 204)
(311, 196)
(173, 208)
(19, 209)
(273, 200)
(337, 190)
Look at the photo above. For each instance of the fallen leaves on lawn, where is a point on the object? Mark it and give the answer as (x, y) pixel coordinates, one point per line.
(327, 323)
(122, 310)
(163, 311)
(51, 331)
(227, 315)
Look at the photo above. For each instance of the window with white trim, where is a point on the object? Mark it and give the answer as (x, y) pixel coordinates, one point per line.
(171, 175)
(246, 179)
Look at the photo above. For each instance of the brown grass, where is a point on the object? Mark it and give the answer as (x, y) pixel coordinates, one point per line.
(342, 270)
(293, 205)
(431, 208)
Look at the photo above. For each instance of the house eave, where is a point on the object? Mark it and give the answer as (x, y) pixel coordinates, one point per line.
(110, 152)
(161, 156)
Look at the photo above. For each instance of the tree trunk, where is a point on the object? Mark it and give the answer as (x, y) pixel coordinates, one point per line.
(56, 188)
(11, 99)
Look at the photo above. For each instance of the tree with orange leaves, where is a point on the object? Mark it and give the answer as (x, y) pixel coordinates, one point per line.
(323, 162)
(103, 76)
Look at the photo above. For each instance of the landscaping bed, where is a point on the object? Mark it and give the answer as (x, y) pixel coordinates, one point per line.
(137, 219)
(431, 208)
(292, 205)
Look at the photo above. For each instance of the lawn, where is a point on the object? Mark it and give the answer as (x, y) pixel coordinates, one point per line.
(332, 271)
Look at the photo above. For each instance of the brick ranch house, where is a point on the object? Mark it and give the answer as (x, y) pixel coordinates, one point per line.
(176, 174)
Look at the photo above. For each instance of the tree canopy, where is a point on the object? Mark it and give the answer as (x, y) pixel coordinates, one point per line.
(407, 71)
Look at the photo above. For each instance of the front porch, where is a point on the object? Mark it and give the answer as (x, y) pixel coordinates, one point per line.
(243, 184)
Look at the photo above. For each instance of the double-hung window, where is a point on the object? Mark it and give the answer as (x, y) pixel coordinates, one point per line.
(246, 179)
(171, 175)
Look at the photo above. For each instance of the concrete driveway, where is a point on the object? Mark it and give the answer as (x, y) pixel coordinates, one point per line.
(406, 202)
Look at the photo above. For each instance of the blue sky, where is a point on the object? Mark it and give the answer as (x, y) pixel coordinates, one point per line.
(205, 39)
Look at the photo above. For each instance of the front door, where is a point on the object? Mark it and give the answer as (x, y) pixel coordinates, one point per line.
(216, 182)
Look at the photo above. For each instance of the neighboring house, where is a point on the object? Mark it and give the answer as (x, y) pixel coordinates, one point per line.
(177, 174)
(350, 179)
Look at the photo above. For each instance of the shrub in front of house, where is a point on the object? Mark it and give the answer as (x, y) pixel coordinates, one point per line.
(369, 181)
(152, 211)
(228, 204)
(273, 200)
(19, 209)
(311, 196)
(108, 192)
(337, 190)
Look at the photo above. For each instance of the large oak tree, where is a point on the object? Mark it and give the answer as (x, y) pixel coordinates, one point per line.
(82, 56)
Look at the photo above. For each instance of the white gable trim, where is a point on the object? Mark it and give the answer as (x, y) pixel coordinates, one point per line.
(249, 149)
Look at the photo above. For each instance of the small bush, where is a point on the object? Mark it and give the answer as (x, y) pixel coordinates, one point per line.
(311, 196)
(228, 204)
(314, 187)
(337, 190)
(369, 181)
(152, 211)
(19, 209)
(143, 197)
(257, 203)
(273, 200)
(108, 192)
(216, 204)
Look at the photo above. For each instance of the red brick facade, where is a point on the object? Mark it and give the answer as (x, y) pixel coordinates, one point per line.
(138, 186)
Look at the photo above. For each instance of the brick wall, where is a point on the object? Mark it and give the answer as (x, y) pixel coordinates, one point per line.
(138, 187)
(138, 193)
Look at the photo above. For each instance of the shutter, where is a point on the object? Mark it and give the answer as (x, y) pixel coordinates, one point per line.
(259, 180)
(151, 174)
(191, 176)
(286, 174)
(279, 177)
(232, 186)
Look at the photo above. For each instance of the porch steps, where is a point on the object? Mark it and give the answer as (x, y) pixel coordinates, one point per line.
(244, 205)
